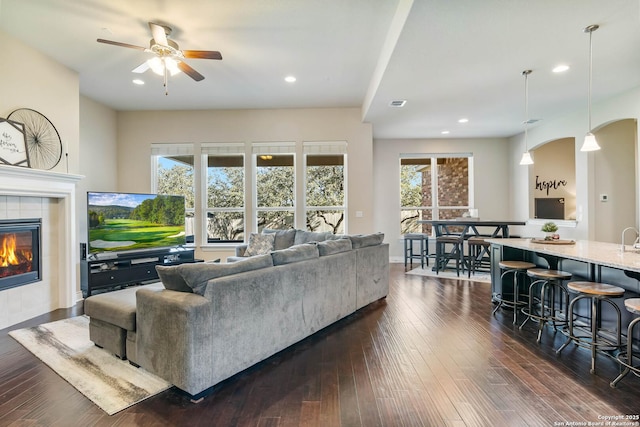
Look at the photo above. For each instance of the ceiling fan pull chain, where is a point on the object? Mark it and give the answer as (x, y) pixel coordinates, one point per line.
(166, 80)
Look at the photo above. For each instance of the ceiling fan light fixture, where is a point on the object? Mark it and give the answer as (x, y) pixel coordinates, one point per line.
(158, 65)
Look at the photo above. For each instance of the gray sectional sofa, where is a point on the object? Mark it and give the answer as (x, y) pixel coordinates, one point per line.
(210, 321)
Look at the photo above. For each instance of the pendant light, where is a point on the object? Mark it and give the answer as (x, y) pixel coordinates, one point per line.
(526, 156)
(590, 143)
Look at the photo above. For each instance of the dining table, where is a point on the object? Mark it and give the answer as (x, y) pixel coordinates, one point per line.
(467, 227)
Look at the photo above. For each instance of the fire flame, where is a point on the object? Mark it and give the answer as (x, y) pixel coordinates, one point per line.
(9, 255)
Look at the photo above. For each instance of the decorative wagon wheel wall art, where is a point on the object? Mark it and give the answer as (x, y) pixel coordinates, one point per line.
(43, 140)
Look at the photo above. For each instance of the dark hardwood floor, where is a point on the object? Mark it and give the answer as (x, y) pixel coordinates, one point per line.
(431, 354)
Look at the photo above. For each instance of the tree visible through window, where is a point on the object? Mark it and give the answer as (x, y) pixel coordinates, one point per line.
(225, 198)
(325, 193)
(275, 191)
(175, 177)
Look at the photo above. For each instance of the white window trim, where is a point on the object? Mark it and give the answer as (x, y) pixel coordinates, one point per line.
(220, 149)
(435, 208)
(339, 147)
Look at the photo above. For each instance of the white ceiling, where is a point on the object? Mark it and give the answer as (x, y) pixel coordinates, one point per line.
(448, 58)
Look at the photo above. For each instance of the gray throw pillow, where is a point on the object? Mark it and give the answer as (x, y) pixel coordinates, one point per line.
(172, 279)
(329, 247)
(197, 275)
(284, 238)
(364, 240)
(259, 244)
(294, 254)
(303, 236)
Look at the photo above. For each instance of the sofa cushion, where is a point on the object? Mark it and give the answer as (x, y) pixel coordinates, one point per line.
(172, 279)
(294, 254)
(196, 276)
(260, 244)
(364, 240)
(118, 307)
(303, 236)
(284, 238)
(329, 247)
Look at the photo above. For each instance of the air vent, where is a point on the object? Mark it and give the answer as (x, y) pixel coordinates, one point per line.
(398, 103)
(531, 121)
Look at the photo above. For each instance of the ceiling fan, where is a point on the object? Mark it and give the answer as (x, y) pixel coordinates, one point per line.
(168, 59)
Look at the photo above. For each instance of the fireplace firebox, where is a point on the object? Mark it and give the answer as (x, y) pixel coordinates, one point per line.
(19, 252)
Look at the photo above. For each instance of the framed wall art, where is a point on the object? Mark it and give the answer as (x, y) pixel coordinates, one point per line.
(13, 144)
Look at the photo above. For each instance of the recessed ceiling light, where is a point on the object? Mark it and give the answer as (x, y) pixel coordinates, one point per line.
(138, 81)
(560, 68)
(398, 103)
(290, 79)
(445, 132)
(463, 120)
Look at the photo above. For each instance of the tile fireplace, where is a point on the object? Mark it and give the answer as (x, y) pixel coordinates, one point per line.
(19, 252)
(27, 193)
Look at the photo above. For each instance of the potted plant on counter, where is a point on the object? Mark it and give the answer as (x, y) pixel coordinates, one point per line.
(550, 228)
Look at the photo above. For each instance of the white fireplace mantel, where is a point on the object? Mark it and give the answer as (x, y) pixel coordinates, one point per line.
(26, 182)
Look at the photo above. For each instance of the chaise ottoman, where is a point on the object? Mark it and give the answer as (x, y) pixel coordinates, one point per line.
(113, 319)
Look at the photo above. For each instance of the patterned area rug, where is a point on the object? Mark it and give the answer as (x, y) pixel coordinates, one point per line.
(448, 274)
(109, 382)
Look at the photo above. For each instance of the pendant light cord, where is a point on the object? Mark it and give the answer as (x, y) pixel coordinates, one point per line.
(590, 72)
(526, 107)
(590, 29)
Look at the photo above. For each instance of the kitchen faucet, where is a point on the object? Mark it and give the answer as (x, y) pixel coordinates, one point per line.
(622, 248)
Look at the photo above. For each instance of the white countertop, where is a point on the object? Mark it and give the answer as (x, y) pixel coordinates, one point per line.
(605, 254)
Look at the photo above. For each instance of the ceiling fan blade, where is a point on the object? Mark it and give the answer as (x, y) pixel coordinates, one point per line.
(159, 34)
(131, 46)
(202, 54)
(141, 68)
(185, 68)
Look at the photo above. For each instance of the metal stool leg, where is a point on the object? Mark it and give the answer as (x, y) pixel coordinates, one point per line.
(626, 360)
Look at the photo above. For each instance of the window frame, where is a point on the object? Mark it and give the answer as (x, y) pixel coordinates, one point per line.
(159, 150)
(206, 209)
(435, 207)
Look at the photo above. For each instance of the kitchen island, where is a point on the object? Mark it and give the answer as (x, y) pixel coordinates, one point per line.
(585, 260)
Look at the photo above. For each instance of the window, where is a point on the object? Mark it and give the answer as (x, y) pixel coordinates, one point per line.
(275, 186)
(424, 180)
(173, 173)
(225, 221)
(324, 187)
(245, 187)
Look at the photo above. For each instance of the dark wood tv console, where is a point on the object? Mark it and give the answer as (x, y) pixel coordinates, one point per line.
(104, 272)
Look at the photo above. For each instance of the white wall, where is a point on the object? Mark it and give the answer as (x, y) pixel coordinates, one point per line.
(490, 180)
(573, 125)
(138, 130)
(98, 156)
(615, 170)
(29, 79)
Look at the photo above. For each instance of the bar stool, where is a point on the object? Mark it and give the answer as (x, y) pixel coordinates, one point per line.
(410, 255)
(597, 293)
(626, 358)
(478, 253)
(548, 299)
(517, 268)
(444, 255)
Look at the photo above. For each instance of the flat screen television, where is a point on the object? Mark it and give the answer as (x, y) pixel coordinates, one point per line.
(549, 208)
(120, 222)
